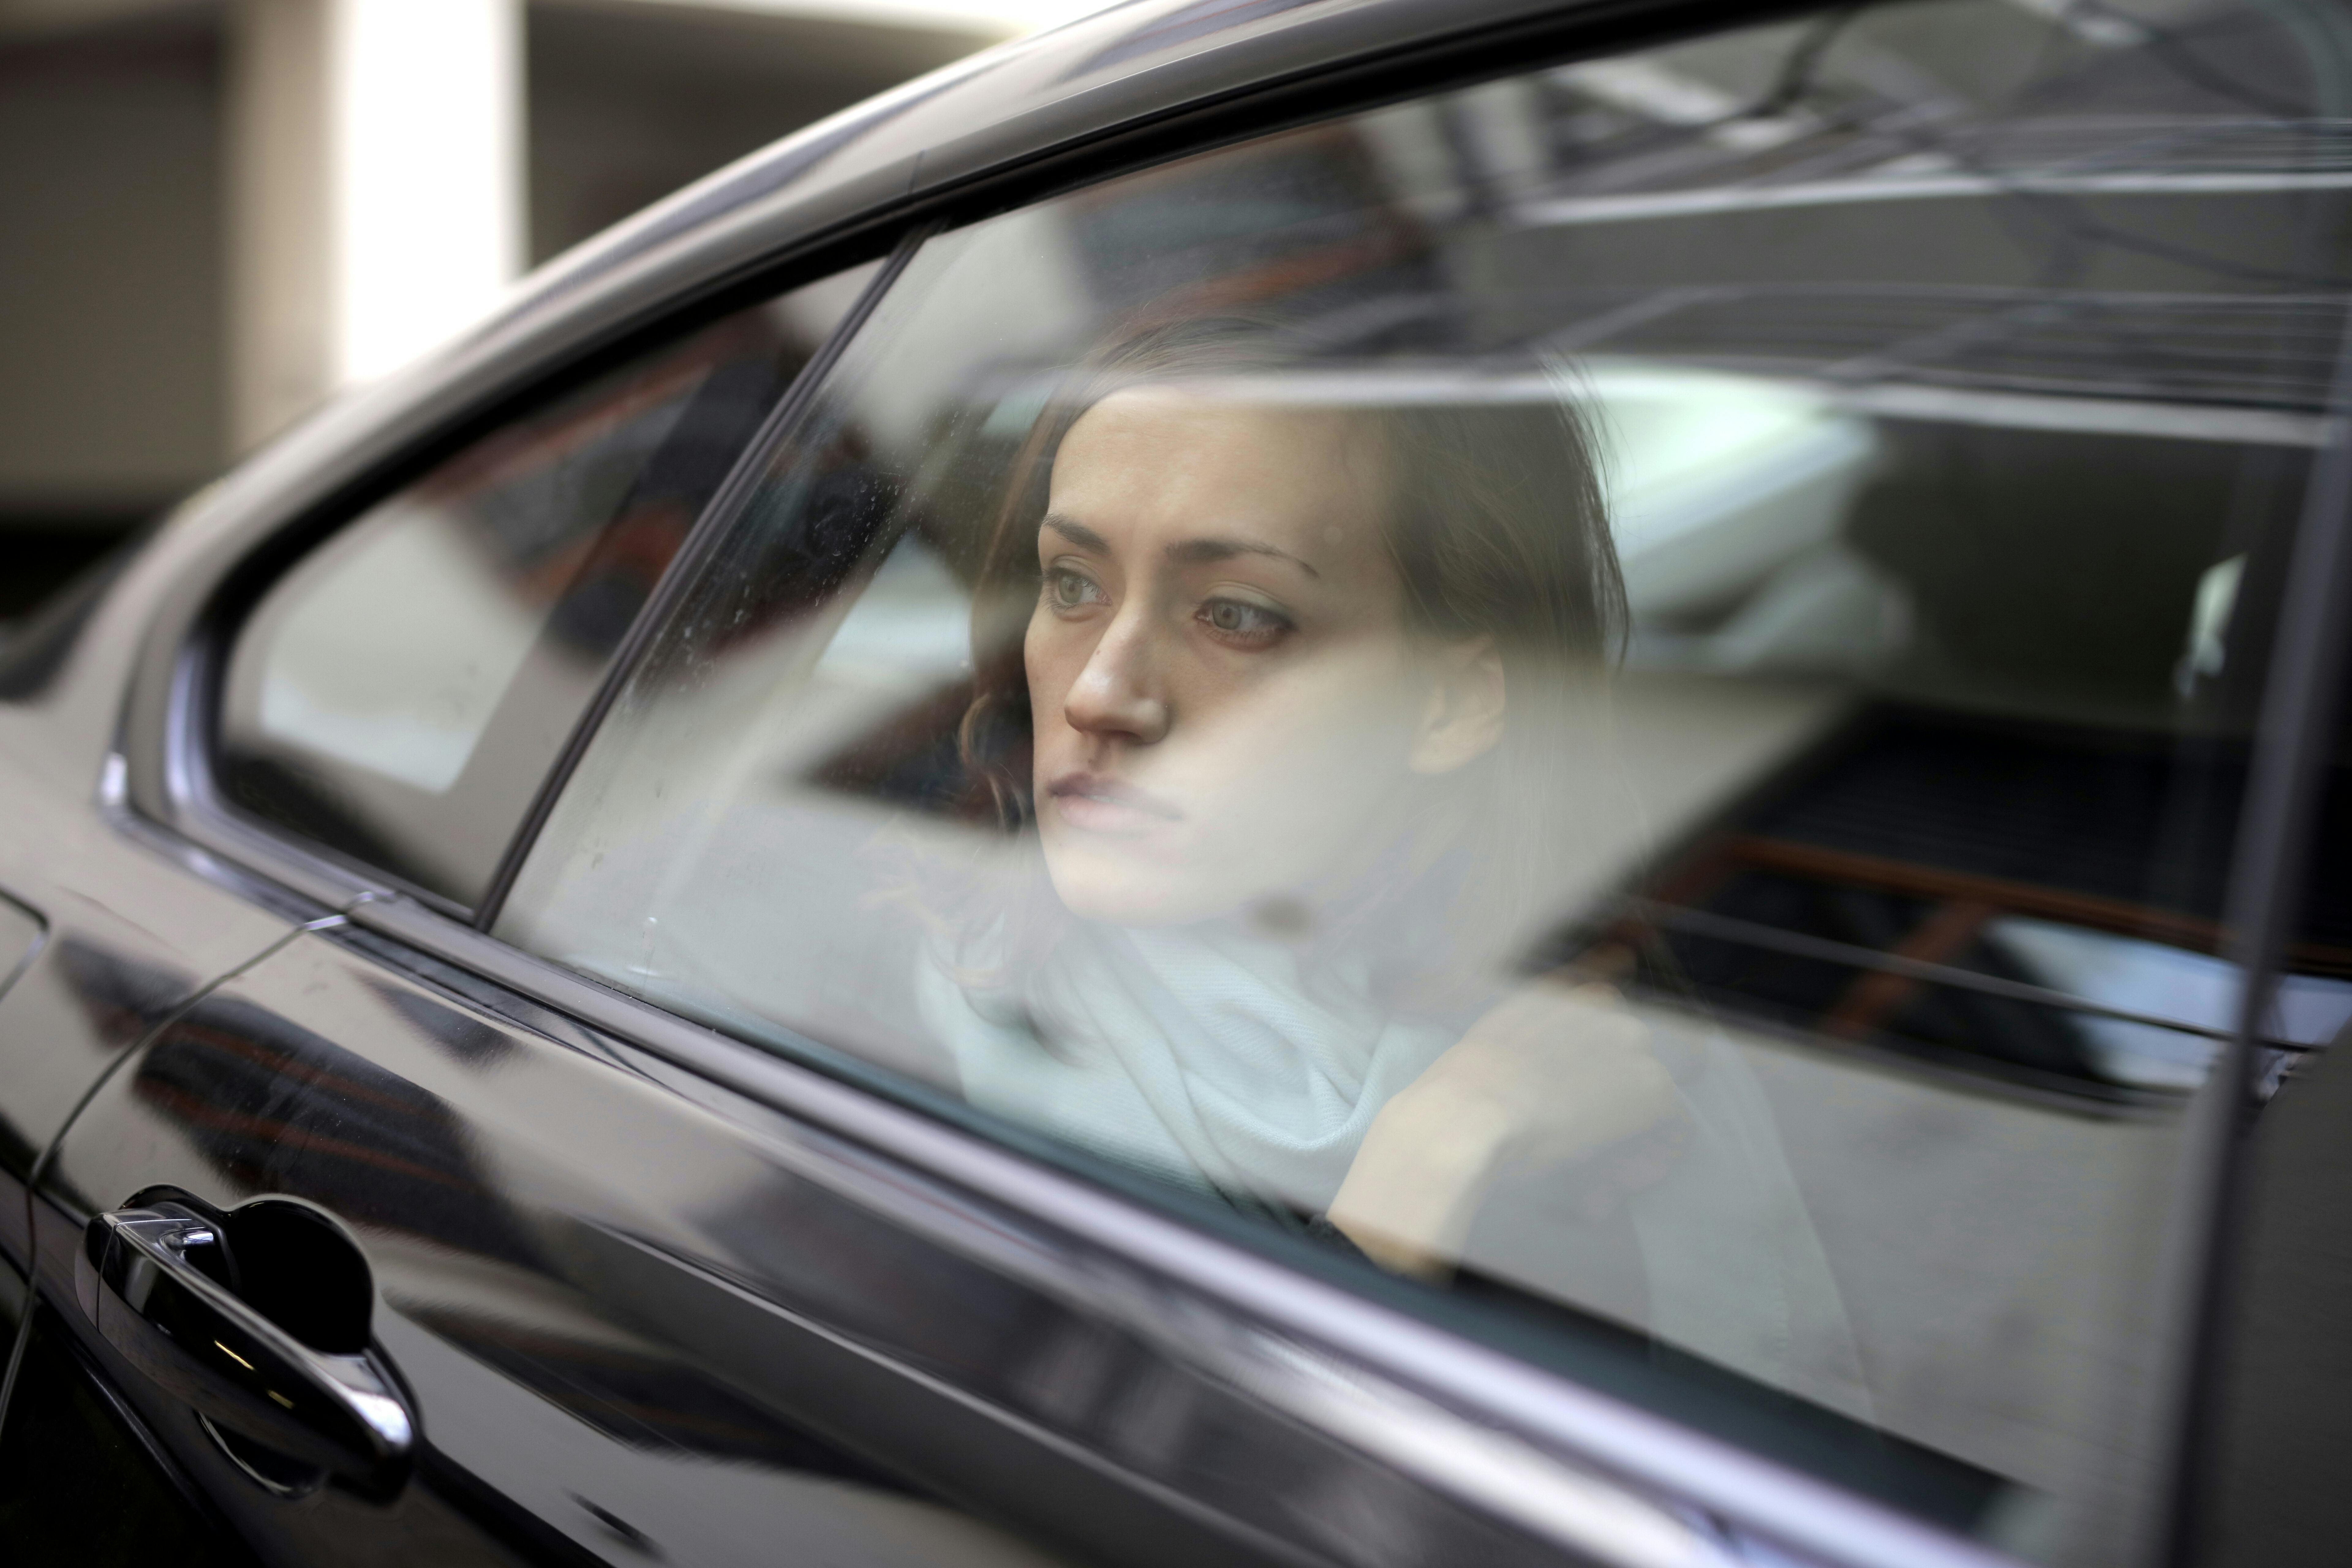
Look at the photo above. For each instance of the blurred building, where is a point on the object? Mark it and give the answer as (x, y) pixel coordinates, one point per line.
(216, 213)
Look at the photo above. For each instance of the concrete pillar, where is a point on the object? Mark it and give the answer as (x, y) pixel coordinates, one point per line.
(376, 190)
(279, 362)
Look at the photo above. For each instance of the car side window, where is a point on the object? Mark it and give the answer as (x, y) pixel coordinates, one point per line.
(399, 695)
(1619, 698)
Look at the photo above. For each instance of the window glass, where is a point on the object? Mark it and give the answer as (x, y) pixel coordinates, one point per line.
(399, 695)
(1623, 693)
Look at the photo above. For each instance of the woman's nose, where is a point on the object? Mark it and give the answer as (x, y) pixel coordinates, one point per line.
(1117, 695)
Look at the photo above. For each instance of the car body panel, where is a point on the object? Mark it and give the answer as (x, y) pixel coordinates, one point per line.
(129, 936)
(617, 1294)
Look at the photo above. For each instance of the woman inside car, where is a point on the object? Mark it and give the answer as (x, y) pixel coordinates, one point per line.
(1302, 686)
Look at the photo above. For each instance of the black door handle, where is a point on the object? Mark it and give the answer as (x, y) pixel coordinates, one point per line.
(142, 1280)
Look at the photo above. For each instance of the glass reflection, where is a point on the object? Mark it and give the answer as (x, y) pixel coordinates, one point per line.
(1625, 691)
(401, 692)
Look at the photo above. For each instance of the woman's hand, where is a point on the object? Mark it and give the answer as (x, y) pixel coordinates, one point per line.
(1552, 1074)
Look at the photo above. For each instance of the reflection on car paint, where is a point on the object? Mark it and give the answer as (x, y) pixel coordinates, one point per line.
(275, 1108)
(804, 1314)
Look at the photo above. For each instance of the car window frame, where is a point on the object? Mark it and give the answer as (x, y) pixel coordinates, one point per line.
(2293, 749)
(205, 669)
(2290, 756)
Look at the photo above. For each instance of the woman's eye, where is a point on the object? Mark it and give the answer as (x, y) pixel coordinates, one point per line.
(1238, 622)
(1070, 590)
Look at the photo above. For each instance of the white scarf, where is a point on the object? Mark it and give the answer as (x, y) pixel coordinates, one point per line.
(1202, 1056)
(1200, 1053)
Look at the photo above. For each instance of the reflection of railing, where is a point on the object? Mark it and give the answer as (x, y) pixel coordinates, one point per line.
(1639, 913)
(2208, 361)
(1954, 914)
(2087, 157)
(2269, 352)
(1992, 894)
(1954, 894)
(1963, 904)
(2246, 368)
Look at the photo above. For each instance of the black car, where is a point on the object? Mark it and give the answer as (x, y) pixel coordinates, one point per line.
(1360, 782)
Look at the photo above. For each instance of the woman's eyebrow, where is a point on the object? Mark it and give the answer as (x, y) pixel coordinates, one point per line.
(1078, 533)
(1193, 551)
(1187, 552)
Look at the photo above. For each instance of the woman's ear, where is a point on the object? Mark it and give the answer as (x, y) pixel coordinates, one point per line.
(1464, 716)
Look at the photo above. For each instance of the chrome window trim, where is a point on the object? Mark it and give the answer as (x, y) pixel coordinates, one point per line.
(255, 865)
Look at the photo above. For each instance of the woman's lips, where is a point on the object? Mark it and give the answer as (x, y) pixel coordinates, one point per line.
(1095, 804)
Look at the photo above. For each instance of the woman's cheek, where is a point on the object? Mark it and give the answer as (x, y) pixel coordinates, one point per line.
(1045, 661)
(1306, 758)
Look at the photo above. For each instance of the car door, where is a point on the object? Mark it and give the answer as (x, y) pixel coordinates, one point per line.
(662, 1196)
(526, 554)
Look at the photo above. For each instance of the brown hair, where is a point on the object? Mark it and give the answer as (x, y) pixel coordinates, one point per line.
(1498, 528)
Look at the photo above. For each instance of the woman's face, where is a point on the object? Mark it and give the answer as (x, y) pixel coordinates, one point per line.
(1227, 704)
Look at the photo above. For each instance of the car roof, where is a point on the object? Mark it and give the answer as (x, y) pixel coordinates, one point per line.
(1118, 69)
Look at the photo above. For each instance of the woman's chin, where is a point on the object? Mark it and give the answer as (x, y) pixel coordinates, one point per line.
(1097, 888)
